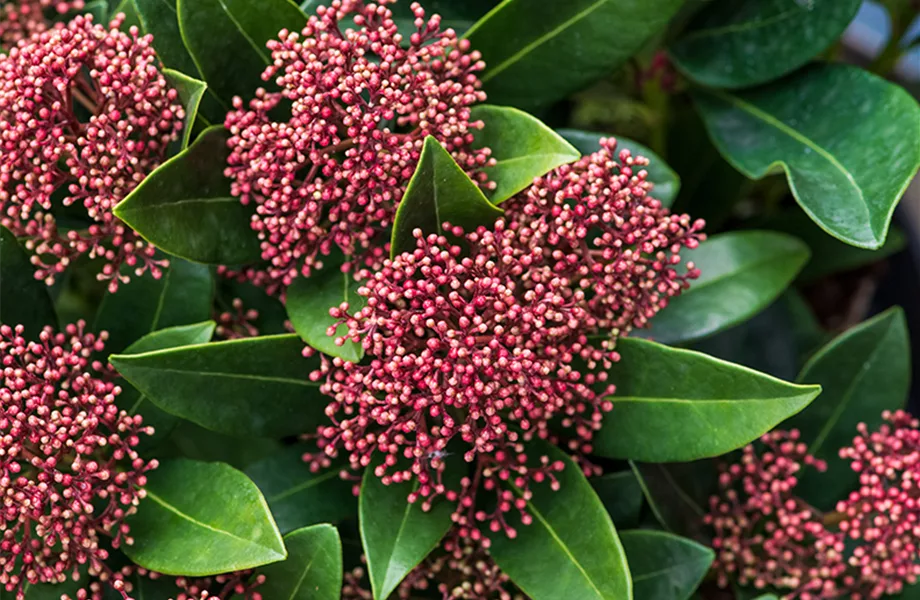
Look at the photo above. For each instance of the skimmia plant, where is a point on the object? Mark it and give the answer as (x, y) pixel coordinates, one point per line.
(373, 300)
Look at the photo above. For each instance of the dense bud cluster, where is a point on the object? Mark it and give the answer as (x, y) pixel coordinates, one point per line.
(85, 115)
(237, 323)
(362, 100)
(20, 19)
(136, 583)
(69, 474)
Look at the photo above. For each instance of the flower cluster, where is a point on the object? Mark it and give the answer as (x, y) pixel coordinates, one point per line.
(361, 103)
(240, 585)
(599, 228)
(85, 115)
(20, 19)
(238, 323)
(766, 536)
(69, 474)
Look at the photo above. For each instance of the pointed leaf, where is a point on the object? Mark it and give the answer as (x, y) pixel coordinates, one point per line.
(174, 337)
(571, 550)
(677, 493)
(667, 182)
(538, 52)
(226, 39)
(160, 19)
(795, 124)
(675, 405)
(748, 42)
(665, 566)
(190, 92)
(864, 371)
(743, 272)
(621, 494)
(255, 386)
(312, 570)
(185, 207)
(24, 300)
(439, 192)
(397, 535)
(299, 497)
(523, 147)
(202, 519)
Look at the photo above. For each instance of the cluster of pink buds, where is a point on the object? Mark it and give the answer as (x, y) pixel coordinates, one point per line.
(482, 348)
(238, 323)
(766, 536)
(69, 474)
(240, 585)
(20, 19)
(362, 100)
(85, 115)
(598, 227)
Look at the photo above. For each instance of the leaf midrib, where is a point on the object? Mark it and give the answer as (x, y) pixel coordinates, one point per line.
(165, 205)
(554, 156)
(698, 401)
(739, 27)
(303, 486)
(244, 376)
(675, 567)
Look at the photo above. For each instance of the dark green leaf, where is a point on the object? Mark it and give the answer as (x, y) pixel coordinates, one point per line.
(181, 296)
(24, 300)
(272, 316)
(98, 8)
(397, 535)
(674, 405)
(742, 273)
(621, 494)
(190, 92)
(523, 147)
(125, 7)
(45, 591)
(189, 440)
(666, 181)
(571, 550)
(160, 19)
(665, 566)
(297, 496)
(795, 124)
(185, 207)
(458, 16)
(538, 52)
(676, 493)
(173, 337)
(747, 42)
(308, 301)
(312, 570)
(226, 39)
(256, 386)
(202, 519)
(864, 371)
(439, 192)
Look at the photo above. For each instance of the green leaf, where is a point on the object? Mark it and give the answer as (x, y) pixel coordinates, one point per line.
(185, 207)
(24, 300)
(160, 19)
(308, 300)
(297, 496)
(743, 272)
(674, 405)
(127, 8)
(458, 16)
(183, 295)
(748, 42)
(173, 337)
(397, 535)
(665, 566)
(439, 192)
(202, 519)
(538, 52)
(523, 147)
(621, 494)
(190, 92)
(864, 371)
(227, 38)
(667, 182)
(312, 570)
(676, 493)
(571, 550)
(794, 124)
(255, 386)
(192, 441)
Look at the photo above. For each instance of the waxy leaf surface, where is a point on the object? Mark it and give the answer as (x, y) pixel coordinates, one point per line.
(665, 566)
(24, 300)
(312, 570)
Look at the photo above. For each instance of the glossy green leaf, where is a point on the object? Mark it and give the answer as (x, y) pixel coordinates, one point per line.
(439, 192)
(185, 207)
(190, 93)
(538, 52)
(226, 39)
(748, 42)
(794, 124)
(523, 147)
(160, 19)
(127, 8)
(665, 566)
(297, 496)
(864, 371)
(742, 273)
(667, 182)
(677, 493)
(571, 550)
(46, 591)
(677, 405)
(396, 535)
(312, 570)
(255, 386)
(24, 300)
(621, 494)
(202, 519)
(308, 300)
(173, 337)
(192, 441)
(181, 296)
